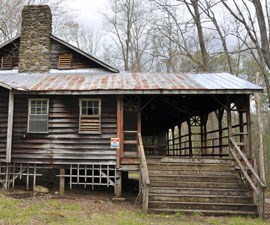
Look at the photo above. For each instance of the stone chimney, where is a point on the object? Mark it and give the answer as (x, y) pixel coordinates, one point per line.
(35, 44)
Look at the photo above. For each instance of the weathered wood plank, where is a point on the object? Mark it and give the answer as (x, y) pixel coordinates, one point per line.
(10, 126)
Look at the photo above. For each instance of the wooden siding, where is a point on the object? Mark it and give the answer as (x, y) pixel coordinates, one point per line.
(3, 122)
(63, 144)
(78, 61)
(12, 50)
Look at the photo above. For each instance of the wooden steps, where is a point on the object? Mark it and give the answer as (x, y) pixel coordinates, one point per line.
(210, 187)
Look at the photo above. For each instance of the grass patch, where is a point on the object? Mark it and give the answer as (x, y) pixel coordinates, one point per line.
(45, 210)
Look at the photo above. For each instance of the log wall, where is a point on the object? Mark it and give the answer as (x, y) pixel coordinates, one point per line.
(63, 144)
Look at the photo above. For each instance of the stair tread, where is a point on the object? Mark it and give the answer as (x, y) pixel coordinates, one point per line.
(205, 203)
(201, 196)
(198, 186)
(204, 211)
(203, 189)
(195, 176)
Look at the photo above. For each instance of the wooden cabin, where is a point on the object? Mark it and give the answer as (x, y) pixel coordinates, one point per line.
(189, 135)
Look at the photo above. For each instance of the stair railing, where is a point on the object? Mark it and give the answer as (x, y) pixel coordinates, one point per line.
(240, 158)
(144, 175)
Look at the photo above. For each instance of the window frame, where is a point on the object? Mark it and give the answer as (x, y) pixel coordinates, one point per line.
(90, 116)
(29, 114)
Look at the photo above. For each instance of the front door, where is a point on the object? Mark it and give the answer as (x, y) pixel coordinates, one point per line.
(130, 124)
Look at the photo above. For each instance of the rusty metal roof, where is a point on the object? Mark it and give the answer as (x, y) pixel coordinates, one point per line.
(100, 82)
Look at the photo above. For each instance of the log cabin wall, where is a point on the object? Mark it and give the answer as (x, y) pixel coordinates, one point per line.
(3, 122)
(78, 61)
(63, 144)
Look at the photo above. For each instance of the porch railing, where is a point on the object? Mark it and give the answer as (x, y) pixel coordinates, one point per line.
(144, 175)
(258, 186)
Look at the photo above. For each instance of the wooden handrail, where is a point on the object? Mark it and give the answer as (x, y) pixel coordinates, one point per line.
(259, 191)
(145, 180)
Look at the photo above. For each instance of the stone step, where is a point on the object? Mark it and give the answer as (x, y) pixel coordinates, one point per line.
(195, 184)
(199, 191)
(197, 178)
(202, 206)
(205, 212)
(200, 198)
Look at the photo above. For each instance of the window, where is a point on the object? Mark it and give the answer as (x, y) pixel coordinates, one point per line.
(38, 115)
(6, 62)
(90, 113)
(65, 61)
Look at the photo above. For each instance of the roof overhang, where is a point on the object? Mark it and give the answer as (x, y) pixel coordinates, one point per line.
(6, 86)
(141, 92)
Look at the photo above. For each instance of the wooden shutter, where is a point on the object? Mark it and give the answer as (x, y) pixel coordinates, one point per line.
(90, 123)
(65, 61)
(6, 62)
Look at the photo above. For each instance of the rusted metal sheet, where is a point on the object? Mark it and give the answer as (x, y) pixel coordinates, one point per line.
(102, 82)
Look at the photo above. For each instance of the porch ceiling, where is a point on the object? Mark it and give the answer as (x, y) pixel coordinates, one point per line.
(165, 112)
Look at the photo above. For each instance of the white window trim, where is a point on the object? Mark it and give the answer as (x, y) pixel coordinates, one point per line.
(28, 116)
(80, 114)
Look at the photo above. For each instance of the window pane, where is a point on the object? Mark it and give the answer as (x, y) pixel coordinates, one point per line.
(38, 123)
(96, 111)
(90, 111)
(96, 104)
(84, 104)
(84, 111)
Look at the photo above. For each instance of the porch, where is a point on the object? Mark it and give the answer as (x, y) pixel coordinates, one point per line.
(177, 130)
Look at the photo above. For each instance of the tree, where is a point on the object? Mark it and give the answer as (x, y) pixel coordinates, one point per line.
(129, 30)
(242, 13)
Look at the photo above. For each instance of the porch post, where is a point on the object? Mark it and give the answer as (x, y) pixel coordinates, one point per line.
(250, 151)
(118, 180)
(9, 126)
(220, 113)
(229, 121)
(189, 138)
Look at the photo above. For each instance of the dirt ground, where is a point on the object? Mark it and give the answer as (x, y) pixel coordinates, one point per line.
(98, 207)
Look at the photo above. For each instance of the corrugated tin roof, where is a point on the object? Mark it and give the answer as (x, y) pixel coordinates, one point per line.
(144, 83)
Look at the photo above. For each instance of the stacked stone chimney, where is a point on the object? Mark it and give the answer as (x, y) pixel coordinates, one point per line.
(35, 46)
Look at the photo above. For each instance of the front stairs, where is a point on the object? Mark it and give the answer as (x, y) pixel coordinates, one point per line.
(207, 186)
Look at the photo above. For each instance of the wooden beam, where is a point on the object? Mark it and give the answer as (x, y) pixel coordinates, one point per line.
(180, 138)
(220, 113)
(189, 138)
(229, 121)
(120, 133)
(9, 126)
(250, 150)
(62, 182)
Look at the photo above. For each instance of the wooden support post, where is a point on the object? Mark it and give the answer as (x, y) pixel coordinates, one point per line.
(220, 130)
(180, 139)
(229, 122)
(173, 147)
(241, 133)
(168, 142)
(118, 184)
(120, 133)
(249, 150)
(189, 138)
(62, 182)
(9, 126)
